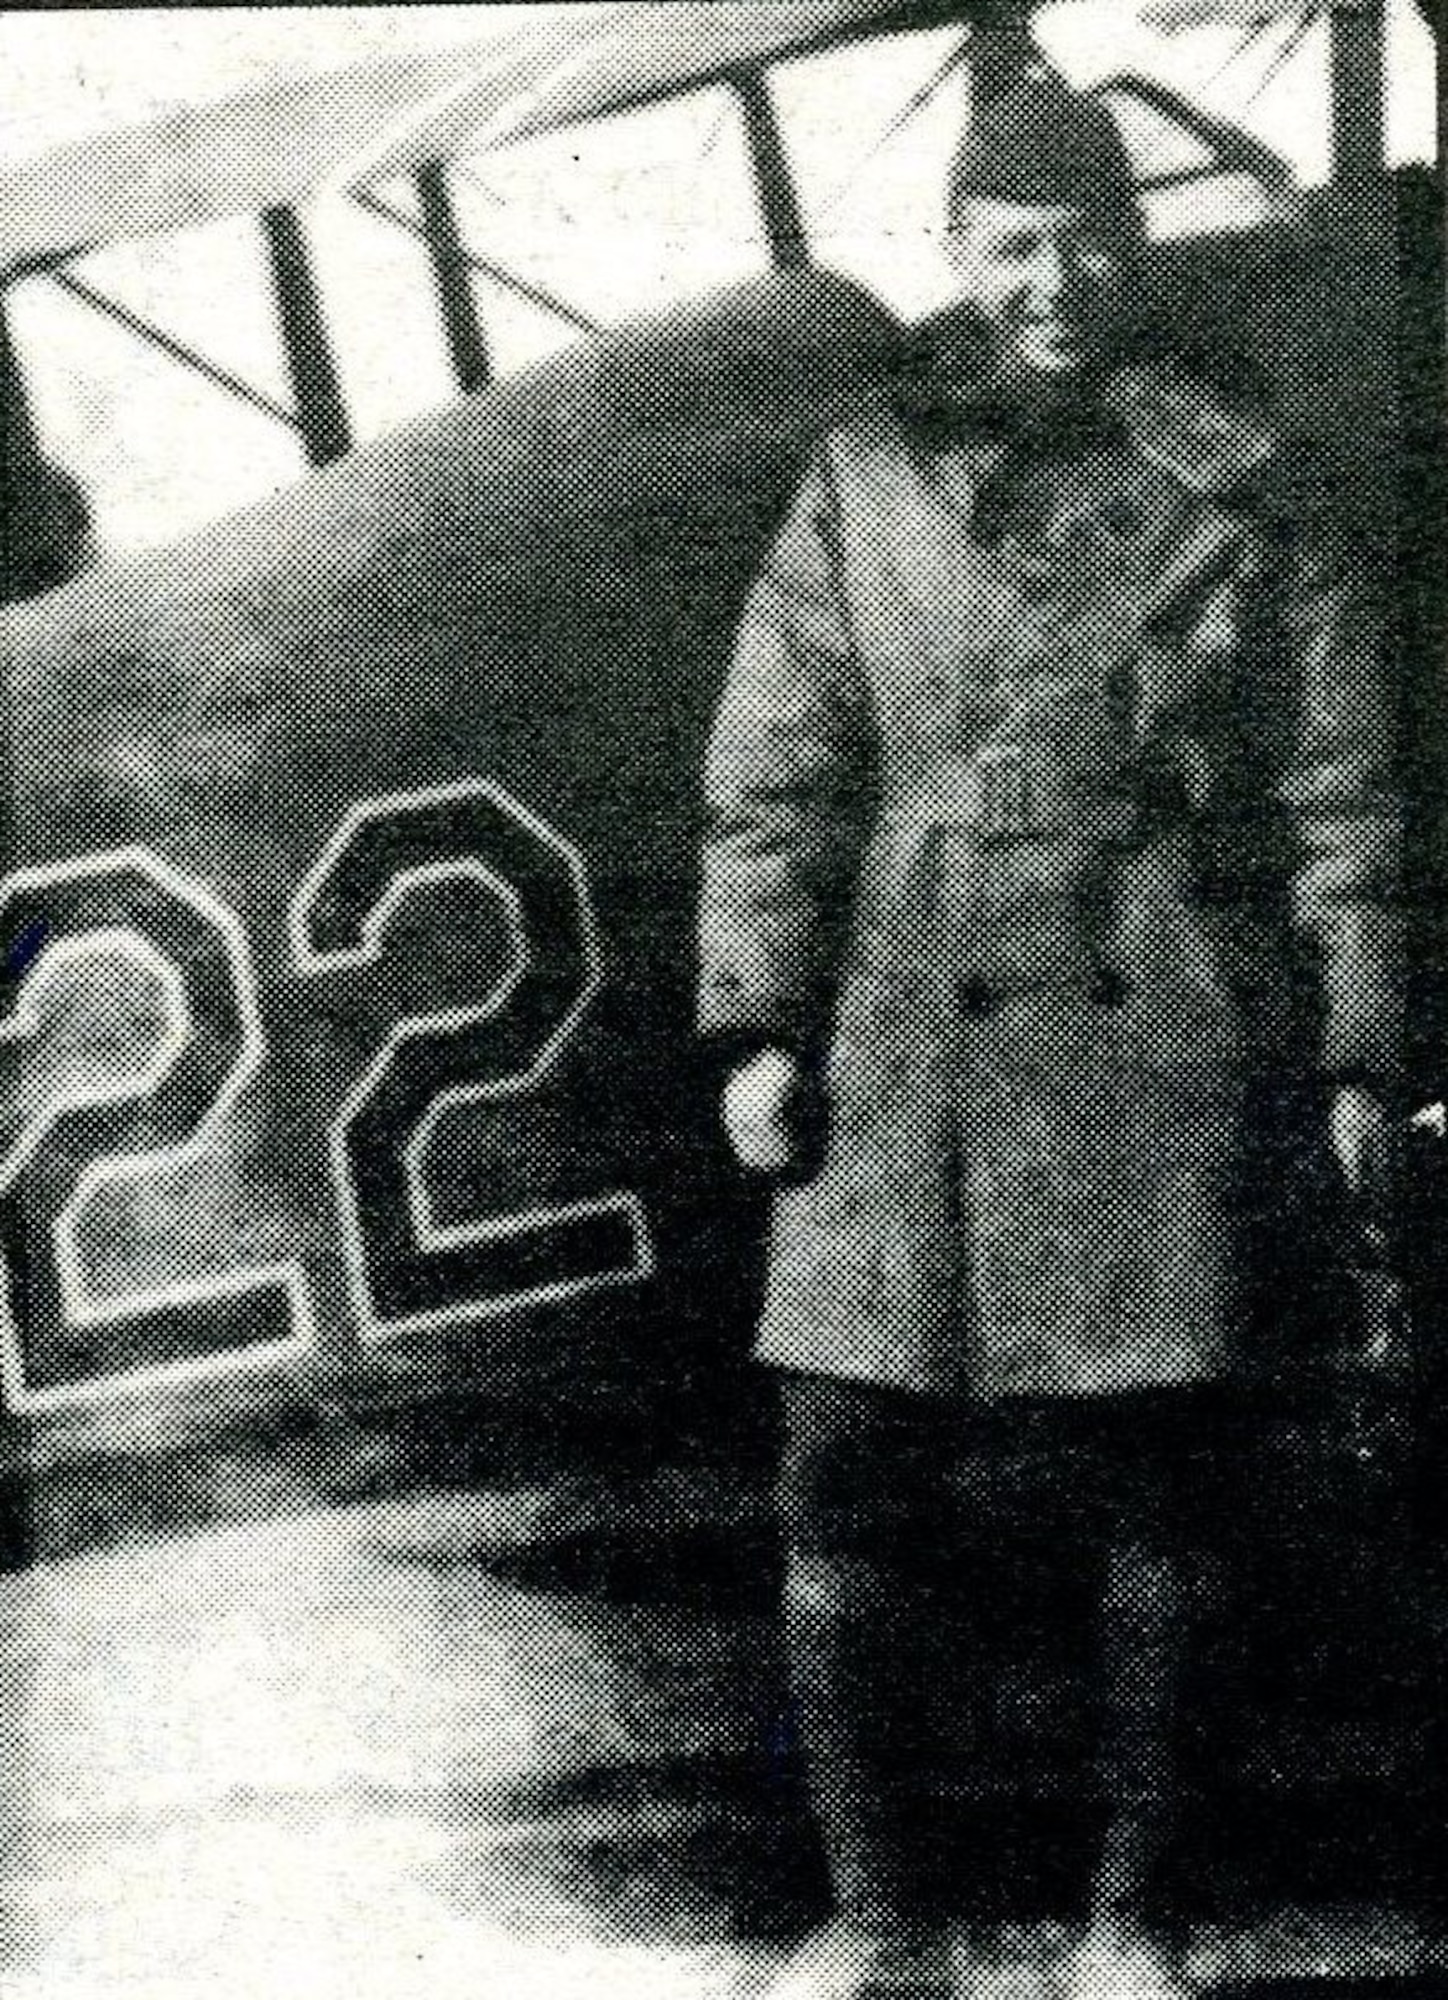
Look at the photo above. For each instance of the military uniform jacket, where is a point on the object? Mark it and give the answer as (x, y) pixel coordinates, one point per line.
(1050, 812)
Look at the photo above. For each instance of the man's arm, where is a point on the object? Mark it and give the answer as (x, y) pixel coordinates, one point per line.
(1341, 788)
(785, 789)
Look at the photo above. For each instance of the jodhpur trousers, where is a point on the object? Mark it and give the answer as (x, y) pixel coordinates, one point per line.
(912, 1529)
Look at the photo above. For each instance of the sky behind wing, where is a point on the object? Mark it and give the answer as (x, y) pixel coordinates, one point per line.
(614, 218)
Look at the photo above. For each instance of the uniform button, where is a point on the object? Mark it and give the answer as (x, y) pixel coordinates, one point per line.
(1107, 987)
(975, 1000)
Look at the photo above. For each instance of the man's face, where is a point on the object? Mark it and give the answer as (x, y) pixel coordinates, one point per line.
(1049, 283)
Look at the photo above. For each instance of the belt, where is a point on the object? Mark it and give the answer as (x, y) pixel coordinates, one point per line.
(1024, 789)
(1006, 790)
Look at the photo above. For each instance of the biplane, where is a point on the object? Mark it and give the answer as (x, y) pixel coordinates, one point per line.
(350, 837)
(346, 1065)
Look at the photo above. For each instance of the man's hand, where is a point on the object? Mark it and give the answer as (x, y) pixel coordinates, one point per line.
(1356, 1125)
(761, 1111)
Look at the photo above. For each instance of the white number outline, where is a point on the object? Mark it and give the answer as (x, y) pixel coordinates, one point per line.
(428, 1233)
(82, 1309)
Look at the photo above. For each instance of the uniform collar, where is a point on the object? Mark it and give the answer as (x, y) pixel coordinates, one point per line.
(951, 417)
(949, 397)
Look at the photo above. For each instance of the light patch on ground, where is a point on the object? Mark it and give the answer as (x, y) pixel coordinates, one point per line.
(334, 1756)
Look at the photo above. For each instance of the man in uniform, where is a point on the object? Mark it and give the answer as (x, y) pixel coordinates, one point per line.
(1048, 930)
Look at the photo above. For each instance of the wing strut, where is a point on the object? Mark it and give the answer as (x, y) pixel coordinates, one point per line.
(509, 281)
(466, 340)
(778, 202)
(1358, 62)
(321, 412)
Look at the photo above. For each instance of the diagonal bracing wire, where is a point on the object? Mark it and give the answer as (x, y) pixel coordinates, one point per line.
(535, 295)
(1297, 32)
(177, 350)
(910, 109)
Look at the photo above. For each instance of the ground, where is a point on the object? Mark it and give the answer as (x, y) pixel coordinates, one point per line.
(376, 1738)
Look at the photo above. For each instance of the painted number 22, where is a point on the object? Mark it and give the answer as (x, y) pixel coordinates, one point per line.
(406, 1268)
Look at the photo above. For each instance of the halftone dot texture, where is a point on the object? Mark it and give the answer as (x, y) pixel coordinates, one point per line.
(1039, 141)
(447, 1657)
